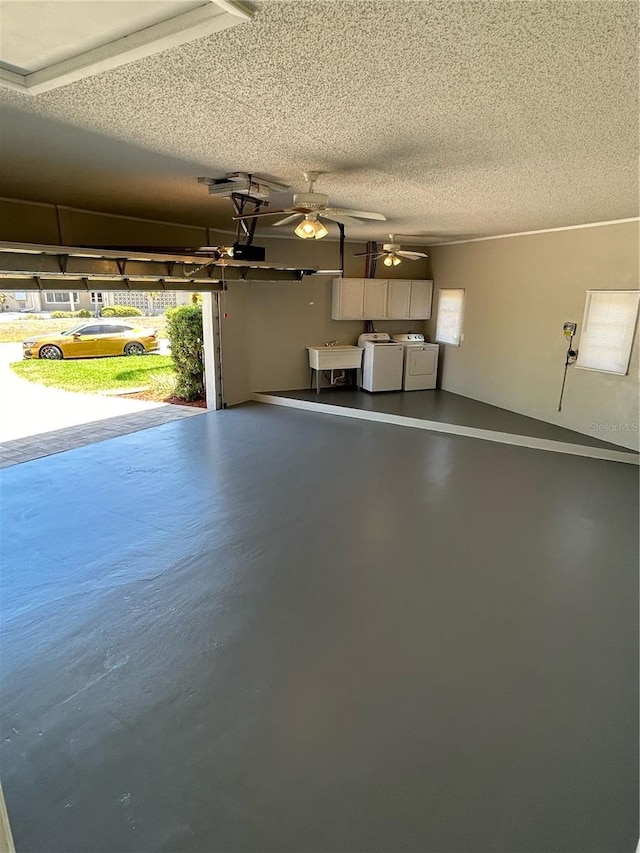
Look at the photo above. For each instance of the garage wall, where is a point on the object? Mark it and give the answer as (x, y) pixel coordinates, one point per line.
(519, 292)
(268, 328)
(269, 325)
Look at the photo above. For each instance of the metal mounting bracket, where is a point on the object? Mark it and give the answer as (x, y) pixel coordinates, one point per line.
(246, 227)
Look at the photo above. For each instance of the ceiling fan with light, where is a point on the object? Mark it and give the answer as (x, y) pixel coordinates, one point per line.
(392, 253)
(311, 208)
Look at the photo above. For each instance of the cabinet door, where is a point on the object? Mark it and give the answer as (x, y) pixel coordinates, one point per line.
(398, 299)
(420, 305)
(347, 299)
(375, 298)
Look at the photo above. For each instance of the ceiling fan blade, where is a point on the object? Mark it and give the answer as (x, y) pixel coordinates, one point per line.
(359, 214)
(369, 254)
(286, 220)
(335, 216)
(413, 256)
(263, 213)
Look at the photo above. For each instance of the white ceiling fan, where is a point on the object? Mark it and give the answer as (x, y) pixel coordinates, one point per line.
(392, 253)
(312, 207)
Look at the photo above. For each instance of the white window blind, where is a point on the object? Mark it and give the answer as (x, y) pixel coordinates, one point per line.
(607, 330)
(450, 313)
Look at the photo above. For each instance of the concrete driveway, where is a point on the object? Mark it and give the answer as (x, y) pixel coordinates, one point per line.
(30, 409)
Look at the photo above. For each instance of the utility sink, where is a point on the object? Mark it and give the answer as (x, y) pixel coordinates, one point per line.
(343, 357)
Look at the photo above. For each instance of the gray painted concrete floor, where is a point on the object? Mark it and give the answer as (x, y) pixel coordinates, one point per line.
(445, 407)
(45, 443)
(270, 630)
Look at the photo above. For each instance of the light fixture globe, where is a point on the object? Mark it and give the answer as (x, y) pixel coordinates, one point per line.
(391, 260)
(321, 231)
(306, 228)
(311, 228)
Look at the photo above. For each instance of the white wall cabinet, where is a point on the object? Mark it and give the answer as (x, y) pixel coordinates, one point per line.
(420, 300)
(398, 299)
(381, 299)
(347, 299)
(375, 298)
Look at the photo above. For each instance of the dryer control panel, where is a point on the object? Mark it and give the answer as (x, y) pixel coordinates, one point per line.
(408, 338)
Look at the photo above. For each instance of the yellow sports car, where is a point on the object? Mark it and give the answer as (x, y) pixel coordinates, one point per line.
(92, 339)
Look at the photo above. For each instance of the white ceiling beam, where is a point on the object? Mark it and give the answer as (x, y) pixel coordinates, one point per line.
(212, 17)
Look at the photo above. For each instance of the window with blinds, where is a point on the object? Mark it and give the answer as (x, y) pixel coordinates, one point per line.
(450, 314)
(54, 296)
(607, 330)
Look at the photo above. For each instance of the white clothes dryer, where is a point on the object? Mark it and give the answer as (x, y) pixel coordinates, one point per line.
(420, 367)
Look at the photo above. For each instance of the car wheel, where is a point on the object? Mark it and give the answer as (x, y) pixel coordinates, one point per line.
(134, 348)
(50, 351)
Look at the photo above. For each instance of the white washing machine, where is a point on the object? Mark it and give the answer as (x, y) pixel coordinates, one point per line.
(381, 362)
(420, 370)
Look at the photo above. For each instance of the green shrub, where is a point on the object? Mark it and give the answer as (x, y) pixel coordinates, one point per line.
(59, 315)
(184, 326)
(162, 385)
(120, 311)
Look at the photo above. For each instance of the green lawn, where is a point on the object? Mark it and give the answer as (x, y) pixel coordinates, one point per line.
(13, 331)
(91, 375)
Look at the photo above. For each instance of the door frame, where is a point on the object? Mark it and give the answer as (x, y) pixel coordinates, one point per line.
(212, 347)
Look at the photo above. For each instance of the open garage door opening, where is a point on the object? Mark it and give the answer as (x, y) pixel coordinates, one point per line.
(79, 366)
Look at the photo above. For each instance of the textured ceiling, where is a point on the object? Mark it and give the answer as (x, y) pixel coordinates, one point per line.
(454, 119)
